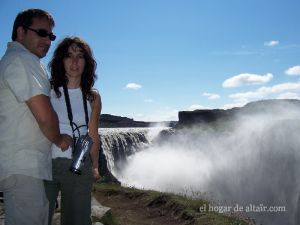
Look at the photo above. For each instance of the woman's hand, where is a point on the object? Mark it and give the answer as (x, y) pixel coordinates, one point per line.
(96, 174)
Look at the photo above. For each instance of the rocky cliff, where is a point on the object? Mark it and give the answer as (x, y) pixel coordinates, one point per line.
(266, 107)
(112, 121)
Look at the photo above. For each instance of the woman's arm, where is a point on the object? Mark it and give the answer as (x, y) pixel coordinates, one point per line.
(96, 106)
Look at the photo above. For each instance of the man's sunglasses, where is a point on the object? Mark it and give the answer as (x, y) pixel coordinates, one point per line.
(43, 33)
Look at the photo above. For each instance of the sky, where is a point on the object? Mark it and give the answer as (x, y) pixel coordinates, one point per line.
(158, 57)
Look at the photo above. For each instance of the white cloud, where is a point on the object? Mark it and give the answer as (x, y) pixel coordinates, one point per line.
(233, 105)
(247, 96)
(160, 115)
(289, 95)
(196, 106)
(133, 86)
(283, 87)
(211, 96)
(274, 91)
(247, 79)
(295, 70)
(149, 100)
(271, 43)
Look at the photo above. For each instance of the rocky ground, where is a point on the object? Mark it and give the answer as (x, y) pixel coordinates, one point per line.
(126, 206)
(98, 211)
(1, 213)
(130, 209)
(131, 206)
(126, 209)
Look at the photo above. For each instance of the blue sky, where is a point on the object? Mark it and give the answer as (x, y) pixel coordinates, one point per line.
(158, 57)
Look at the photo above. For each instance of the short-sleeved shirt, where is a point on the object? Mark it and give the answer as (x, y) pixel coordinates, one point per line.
(23, 147)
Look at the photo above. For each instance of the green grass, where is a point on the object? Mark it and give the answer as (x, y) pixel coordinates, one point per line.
(185, 208)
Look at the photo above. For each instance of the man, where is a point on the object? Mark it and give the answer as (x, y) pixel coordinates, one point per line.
(28, 123)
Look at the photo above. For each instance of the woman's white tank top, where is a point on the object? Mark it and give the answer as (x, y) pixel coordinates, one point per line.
(60, 107)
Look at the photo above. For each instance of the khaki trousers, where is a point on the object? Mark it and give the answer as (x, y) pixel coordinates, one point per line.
(25, 201)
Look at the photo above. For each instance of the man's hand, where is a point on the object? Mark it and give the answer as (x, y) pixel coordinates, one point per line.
(64, 142)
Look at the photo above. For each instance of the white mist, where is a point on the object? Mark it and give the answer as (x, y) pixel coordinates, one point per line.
(254, 164)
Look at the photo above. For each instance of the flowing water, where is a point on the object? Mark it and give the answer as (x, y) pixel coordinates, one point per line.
(251, 168)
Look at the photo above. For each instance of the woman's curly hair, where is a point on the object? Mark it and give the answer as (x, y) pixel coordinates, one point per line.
(58, 76)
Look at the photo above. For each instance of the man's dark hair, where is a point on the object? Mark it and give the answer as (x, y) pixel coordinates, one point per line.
(24, 19)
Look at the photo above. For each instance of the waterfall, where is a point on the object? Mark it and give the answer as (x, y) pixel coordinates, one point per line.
(118, 144)
(250, 167)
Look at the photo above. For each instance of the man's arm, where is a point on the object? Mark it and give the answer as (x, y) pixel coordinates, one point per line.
(47, 120)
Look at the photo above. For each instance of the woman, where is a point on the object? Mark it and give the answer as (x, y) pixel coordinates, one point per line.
(72, 78)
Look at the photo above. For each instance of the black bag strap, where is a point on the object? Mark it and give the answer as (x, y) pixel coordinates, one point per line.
(69, 109)
(85, 109)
